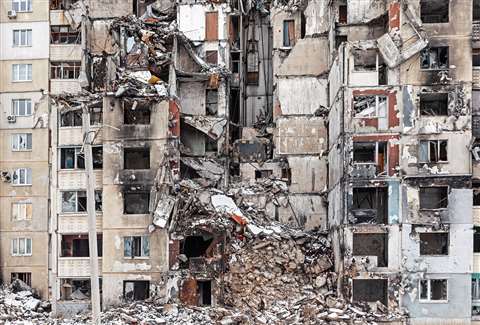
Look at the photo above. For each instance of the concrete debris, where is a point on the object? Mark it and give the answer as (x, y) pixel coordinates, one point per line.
(211, 126)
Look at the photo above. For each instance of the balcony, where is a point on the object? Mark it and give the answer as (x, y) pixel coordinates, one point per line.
(476, 78)
(364, 170)
(69, 224)
(75, 266)
(73, 135)
(476, 31)
(75, 179)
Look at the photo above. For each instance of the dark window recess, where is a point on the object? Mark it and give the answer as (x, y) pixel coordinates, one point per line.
(365, 60)
(97, 157)
(64, 35)
(434, 104)
(71, 118)
(234, 31)
(136, 158)
(433, 151)
(136, 290)
(288, 33)
(372, 245)
(476, 58)
(339, 39)
(136, 113)
(77, 245)
(476, 239)
(263, 173)
(370, 290)
(235, 58)
(71, 158)
(22, 276)
(433, 197)
(476, 10)
(364, 152)
(434, 58)
(210, 145)
(434, 11)
(136, 202)
(342, 14)
(303, 25)
(211, 57)
(370, 205)
(253, 61)
(476, 194)
(434, 243)
(61, 4)
(211, 101)
(204, 288)
(75, 289)
(196, 246)
(65, 70)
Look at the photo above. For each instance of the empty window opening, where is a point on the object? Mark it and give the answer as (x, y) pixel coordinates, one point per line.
(136, 202)
(211, 145)
(476, 10)
(25, 277)
(263, 173)
(204, 291)
(136, 113)
(196, 246)
(71, 158)
(372, 245)
(371, 153)
(235, 58)
(253, 63)
(370, 290)
(365, 60)
(77, 245)
(339, 39)
(64, 35)
(434, 197)
(211, 57)
(433, 290)
(303, 25)
(434, 11)
(75, 289)
(476, 291)
(288, 33)
(342, 14)
(476, 239)
(136, 158)
(71, 118)
(136, 290)
(211, 101)
(433, 151)
(434, 104)
(61, 4)
(136, 246)
(76, 201)
(21, 211)
(234, 31)
(476, 194)
(370, 205)
(434, 243)
(370, 106)
(65, 70)
(476, 58)
(434, 58)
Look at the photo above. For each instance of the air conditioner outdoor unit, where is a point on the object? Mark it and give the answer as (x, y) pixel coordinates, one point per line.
(11, 118)
(12, 14)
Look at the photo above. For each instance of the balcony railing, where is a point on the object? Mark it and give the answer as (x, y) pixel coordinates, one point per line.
(75, 266)
(476, 77)
(476, 31)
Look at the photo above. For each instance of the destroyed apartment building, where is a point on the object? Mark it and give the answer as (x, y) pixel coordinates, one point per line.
(272, 162)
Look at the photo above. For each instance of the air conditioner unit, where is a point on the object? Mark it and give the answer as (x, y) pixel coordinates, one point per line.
(5, 176)
(12, 14)
(11, 118)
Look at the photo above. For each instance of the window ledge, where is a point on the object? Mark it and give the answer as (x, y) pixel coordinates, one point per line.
(21, 46)
(136, 258)
(26, 150)
(433, 163)
(433, 210)
(436, 255)
(433, 301)
(20, 185)
(17, 255)
(20, 81)
(434, 69)
(18, 116)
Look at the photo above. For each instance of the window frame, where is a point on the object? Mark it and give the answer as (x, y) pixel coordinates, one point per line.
(438, 149)
(27, 176)
(144, 242)
(377, 105)
(16, 72)
(430, 209)
(17, 205)
(27, 102)
(77, 155)
(77, 211)
(15, 142)
(17, 246)
(59, 70)
(429, 292)
(17, 5)
(477, 289)
(434, 232)
(67, 36)
(438, 68)
(25, 34)
(286, 24)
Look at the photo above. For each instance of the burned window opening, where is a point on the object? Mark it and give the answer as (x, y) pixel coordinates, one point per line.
(136, 290)
(263, 173)
(211, 101)
(342, 14)
(196, 246)
(370, 290)
(433, 197)
(371, 244)
(204, 288)
(434, 243)
(235, 62)
(136, 158)
(370, 205)
(433, 151)
(136, 202)
(433, 290)
(365, 60)
(136, 113)
(434, 58)
(136, 246)
(22, 276)
(476, 239)
(434, 104)
(234, 31)
(77, 245)
(370, 106)
(371, 153)
(435, 11)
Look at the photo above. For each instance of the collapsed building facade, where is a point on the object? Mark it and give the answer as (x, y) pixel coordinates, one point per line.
(221, 120)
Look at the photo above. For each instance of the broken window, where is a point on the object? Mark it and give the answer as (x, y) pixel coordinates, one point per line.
(75, 289)
(370, 106)
(136, 202)
(136, 158)
(476, 58)
(21, 141)
(22, 176)
(76, 201)
(136, 246)
(21, 211)
(235, 60)
(342, 14)
(211, 145)
(434, 58)
(136, 290)
(263, 173)
(371, 245)
(73, 158)
(434, 104)
(370, 290)
(433, 151)
(371, 153)
(434, 11)
(78, 246)
(234, 31)
(476, 289)
(211, 57)
(61, 4)
(21, 247)
(22, 276)
(71, 118)
(433, 290)
(434, 197)
(253, 62)
(339, 39)
(136, 113)
(212, 101)
(204, 288)
(434, 243)
(365, 59)
(64, 35)
(211, 26)
(288, 33)
(370, 205)
(65, 70)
